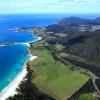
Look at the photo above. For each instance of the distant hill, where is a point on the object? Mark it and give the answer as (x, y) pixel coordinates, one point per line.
(73, 21)
(97, 19)
(73, 25)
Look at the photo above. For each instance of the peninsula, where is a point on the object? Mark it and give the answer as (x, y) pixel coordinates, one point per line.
(61, 72)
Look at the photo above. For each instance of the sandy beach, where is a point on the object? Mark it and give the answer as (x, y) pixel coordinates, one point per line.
(10, 90)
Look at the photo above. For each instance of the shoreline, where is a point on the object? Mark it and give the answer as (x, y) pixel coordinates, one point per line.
(10, 90)
(27, 43)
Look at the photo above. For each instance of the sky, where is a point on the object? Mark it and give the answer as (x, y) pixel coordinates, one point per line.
(49, 6)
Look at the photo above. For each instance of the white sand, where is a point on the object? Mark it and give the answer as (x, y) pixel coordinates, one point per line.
(26, 44)
(39, 38)
(33, 57)
(10, 90)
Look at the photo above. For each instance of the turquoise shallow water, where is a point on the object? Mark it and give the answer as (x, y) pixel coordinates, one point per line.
(12, 59)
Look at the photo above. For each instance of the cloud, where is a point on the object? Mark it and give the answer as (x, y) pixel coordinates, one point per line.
(80, 1)
(49, 6)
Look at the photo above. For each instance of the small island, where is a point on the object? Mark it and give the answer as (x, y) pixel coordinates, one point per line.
(7, 44)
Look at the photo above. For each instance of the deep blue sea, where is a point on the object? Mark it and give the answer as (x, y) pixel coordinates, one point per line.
(13, 57)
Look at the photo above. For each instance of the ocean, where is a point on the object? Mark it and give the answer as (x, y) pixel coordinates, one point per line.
(14, 56)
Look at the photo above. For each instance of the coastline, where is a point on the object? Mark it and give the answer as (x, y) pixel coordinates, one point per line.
(10, 90)
(11, 43)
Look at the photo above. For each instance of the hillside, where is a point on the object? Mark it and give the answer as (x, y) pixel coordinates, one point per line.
(83, 37)
(73, 21)
(73, 25)
(85, 45)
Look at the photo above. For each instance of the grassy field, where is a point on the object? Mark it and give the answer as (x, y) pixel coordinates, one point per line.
(57, 48)
(52, 77)
(87, 97)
